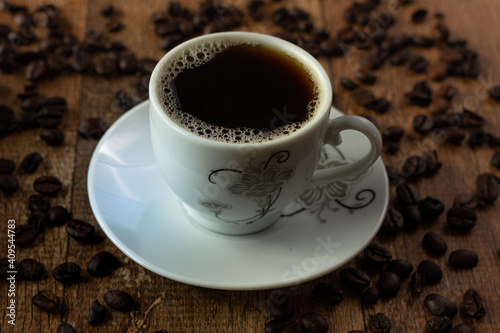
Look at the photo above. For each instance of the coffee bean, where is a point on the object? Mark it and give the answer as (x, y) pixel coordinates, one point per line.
(38, 220)
(430, 208)
(292, 327)
(477, 137)
(432, 163)
(102, 264)
(434, 243)
(331, 48)
(119, 300)
(282, 306)
(38, 203)
(25, 234)
(411, 215)
(7, 166)
(53, 136)
(80, 59)
(495, 160)
(461, 218)
(446, 91)
(327, 293)
(93, 128)
(31, 269)
(67, 273)
(370, 295)
(124, 100)
(414, 167)
(401, 267)
(35, 70)
(440, 306)
(454, 136)
(418, 64)
(392, 133)
(423, 124)
(462, 328)
(97, 313)
(400, 57)
(275, 326)
(380, 105)
(419, 15)
(389, 283)
(6, 114)
(438, 325)
(377, 254)
(379, 323)
(430, 271)
(417, 98)
(8, 183)
(463, 259)
(81, 231)
(473, 304)
(487, 187)
(472, 119)
(393, 220)
(31, 162)
(363, 97)
(407, 194)
(391, 147)
(465, 200)
(57, 216)
(365, 76)
(421, 41)
(46, 301)
(416, 283)
(47, 185)
(354, 278)
(66, 328)
(313, 322)
(493, 140)
(348, 84)
(494, 92)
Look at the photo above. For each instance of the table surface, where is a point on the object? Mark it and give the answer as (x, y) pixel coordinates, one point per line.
(165, 304)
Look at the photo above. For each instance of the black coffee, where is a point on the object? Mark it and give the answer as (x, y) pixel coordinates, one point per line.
(238, 93)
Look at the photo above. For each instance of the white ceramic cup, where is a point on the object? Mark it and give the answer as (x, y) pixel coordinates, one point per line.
(240, 188)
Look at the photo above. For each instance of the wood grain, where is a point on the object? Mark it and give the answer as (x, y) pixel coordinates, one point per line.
(176, 307)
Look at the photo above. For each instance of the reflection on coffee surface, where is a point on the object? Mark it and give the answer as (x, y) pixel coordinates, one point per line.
(237, 92)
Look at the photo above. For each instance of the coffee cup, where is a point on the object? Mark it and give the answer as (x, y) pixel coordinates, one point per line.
(237, 179)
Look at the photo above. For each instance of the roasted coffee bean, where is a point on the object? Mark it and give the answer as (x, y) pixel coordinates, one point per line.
(418, 64)
(38, 220)
(97, 313)
(282, 306)
(66, 328)
(102, 264)
(392, 133)
(114, 25)
(414, 167)
(379, 323)
(393, 175)
(46, 301)
(393, 220)
(454, 136)
(38, 203)
(380, 105)
(377, 254)
(411, 215)
(389, 283)
(348, 84)
(6, 114)
(419, 15)
(430, 271)
(170, 41)
(430, 208)
(417, 98)
(363, 97)
(31, 269)
(477, 137)
(35, 70)
(119, 300)
(416, 283)
(8, 183)
(400, 57)
(80, 59)
(25, 234)
(275, 326)
(81, 231)
(57, 216)
(434, 243)
(124, 100)
(331, 48)
(105, 66)
(473, 304)
(67, 273)
(463, 259)
(462, 328)
(147, 65)
(472, 119)
(47, 185)
(313, 322)
(49, 118)
(370, 295)
(93, 128)
(327, 294)
(487, 187)
(127, 63)
(421, 41)
(292, 327)
(461, 218)
(494, 92)
(365, 76)
(432, 163)
(407, 194)
(53, 136)
(465, 200)
(354, 278)
(438, 325)
(401, 267)
(423, 124)
(495, 160)
(447, 92)
(440, 306)
(391, 147)
(7, 166)
(31, 162)
(440, 31)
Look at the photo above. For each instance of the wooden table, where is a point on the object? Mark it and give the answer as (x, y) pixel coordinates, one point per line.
(165, 304)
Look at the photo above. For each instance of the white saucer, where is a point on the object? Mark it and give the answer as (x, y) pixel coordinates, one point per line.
(320, 232)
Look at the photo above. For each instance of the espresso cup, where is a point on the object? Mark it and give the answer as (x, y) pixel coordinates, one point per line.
(241, 187)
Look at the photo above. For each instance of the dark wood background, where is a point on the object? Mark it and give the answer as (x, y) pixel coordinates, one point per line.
(165, 304)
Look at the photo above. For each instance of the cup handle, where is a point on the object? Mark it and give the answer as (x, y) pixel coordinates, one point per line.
(333, 137)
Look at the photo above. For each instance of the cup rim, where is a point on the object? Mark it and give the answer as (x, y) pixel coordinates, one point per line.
(272, 41)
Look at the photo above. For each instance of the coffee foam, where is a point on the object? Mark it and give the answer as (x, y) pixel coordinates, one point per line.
(198, 55)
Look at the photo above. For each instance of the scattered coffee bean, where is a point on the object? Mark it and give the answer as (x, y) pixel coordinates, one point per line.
(473, 304)
(66, 328)
(46, 301)
(412, 216)
(461, 218)
(313, 322)
(418, 64)
(97, 313)
(379, 323)
(414, 167)
(393, 175)
(487, 185)
(38, 203)
(275, 326)
(462, 328)
(47, 185)
(93, 128)
(370, 295)
(57, 216)
(380, 105)
(354, 278)
(119, 300)
(81, 231)
(38, 220)
(438, 325)
(327, 294)
(389, 283)
(454, 136)
(102, 264)
(400, 57)
(8, 183)
(440, 306)
(421, 41)
(407, 194)
(447, 91)
(495, 92)
(416, 283)
(53, 136)
(392, 148)
(430, 208)
(465, 200)
(463, 259)
(7, 166)
(67, 273)
(423, 124)
(495, 160)
(365, 76)
(419, 15)
(401, 267)
(31, 162)
(430, 271)
(31, 269)
(282, 306)
(363, 97)
(348, 84)
(493, 140)
(6, 114)
(377, 254)
(25, 234)
(434, 243)
(292, 327)
(477, 137)
(392, 133)
(393, 220)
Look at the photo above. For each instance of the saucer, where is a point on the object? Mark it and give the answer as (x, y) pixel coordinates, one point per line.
(316, 234)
